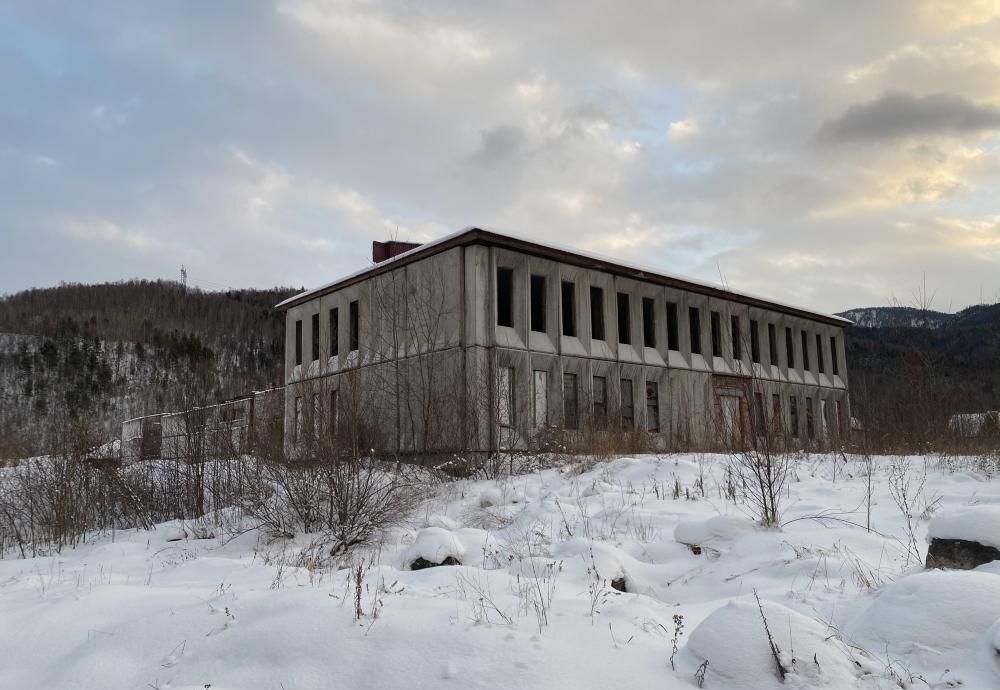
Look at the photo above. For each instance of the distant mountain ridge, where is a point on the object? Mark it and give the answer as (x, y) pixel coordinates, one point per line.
(886, 317)
(901, 317)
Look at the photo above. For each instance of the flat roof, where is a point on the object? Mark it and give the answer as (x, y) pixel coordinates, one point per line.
(476, 235)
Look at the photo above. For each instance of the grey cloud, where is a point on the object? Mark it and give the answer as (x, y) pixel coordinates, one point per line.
(499, 144)
(898, 114)
(412, 125)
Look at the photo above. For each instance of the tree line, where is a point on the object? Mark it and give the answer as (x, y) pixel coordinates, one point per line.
(117, 350)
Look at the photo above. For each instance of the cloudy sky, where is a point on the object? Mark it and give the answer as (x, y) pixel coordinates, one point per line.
(824, 153)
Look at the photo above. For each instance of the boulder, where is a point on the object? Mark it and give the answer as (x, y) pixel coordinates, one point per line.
(422, 563)
(960, 554)
(432, 547)
(964, 538)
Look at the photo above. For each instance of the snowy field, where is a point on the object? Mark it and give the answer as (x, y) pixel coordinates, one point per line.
(532, 604)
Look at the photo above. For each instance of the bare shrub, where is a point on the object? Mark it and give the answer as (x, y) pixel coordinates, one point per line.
(906, 487)
(329, 489)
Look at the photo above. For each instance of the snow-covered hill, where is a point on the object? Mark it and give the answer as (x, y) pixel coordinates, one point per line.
(533, 603)
(104, 353)
(896, 317)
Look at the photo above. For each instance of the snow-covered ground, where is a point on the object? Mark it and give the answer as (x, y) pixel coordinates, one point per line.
(532, 603)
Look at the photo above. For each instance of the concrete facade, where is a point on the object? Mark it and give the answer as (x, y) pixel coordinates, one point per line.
(433, 368)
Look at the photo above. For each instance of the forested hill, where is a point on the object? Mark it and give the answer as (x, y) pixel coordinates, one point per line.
(112, 351)
(910, 369)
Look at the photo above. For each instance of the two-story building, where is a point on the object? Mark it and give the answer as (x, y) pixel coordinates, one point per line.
(479, 340)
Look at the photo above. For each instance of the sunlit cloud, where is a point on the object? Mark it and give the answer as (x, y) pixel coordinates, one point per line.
(683, 129)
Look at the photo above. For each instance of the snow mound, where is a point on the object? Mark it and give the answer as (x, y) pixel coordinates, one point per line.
(583, 555)
(733, 641)
(434, 545)
(993, 646)
(495, 496)
(975, 523)
(479, 547)
(468, 546)
(442, 521)
(721, 528)
(936, 610)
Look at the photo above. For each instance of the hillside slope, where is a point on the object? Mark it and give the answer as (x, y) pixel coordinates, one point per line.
(112, 351)
(910, 370)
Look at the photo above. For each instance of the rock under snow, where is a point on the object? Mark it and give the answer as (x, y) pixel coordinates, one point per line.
(959, 554)
(174, 534)
(974, 523)
(733, 641)
(965, 538)
(993, 646)
(935, 610)
(721, 528)
(434, 546)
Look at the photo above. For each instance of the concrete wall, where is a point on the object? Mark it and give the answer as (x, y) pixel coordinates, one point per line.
(430, 348)
(406, 380)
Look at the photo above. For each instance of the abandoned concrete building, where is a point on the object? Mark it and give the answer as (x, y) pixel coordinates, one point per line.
(481, 341)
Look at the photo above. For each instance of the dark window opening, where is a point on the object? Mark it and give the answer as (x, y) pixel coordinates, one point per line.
(789, 349)
(819, 354)
(505, 297)
(652, 407)
(624, 319)
(298, 342)
(734, 331)
(597, 313)
(334, 332)
(805, 351)
(694, 318)
(600, 399)
(568, 308)
(673, 342)
(354, 325)
(570, 419)
(755, 342)
(628, 405)
(793, 415)
(716, 334)
(315, 337)
(833, 355)
(810, 419)
(776, 421)
(538, 303)
(772, 344)
(648, 322)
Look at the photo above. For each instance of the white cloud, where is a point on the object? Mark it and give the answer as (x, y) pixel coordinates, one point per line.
(279, 140)
(350, 23)
(683, 129)
(101, 232)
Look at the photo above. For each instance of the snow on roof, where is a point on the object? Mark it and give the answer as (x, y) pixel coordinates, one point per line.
(503, 234)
